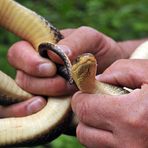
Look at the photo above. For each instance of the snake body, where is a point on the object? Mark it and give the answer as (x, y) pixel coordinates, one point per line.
(16, 19)
(51, 120)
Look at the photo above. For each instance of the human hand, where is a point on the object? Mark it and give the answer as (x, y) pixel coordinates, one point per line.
(115, 121)
(23, 109)
(38, 76)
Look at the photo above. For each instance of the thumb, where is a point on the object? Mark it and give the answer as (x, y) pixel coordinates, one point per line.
(25, 108)
(81, 40)
(128, 73)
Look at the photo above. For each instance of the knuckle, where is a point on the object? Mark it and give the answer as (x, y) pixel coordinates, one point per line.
(109, 70)
(91, 139)
(80, 133)
(133, 122)
(12, 52)
(50, 87)
(32, 67)
(137, 120)
(86, 28)
(23, 81)
(82, 110)
(119, 62)
(92, 32)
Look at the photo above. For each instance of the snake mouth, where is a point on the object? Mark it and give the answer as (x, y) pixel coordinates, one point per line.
(84, 59)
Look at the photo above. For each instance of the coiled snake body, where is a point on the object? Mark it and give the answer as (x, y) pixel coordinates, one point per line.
(51, 120)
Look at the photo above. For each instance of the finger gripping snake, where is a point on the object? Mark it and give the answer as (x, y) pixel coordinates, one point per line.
(52, 120)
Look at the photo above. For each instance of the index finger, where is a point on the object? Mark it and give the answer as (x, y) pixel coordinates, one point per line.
(77, 42)
(23, 57)
(98, 110)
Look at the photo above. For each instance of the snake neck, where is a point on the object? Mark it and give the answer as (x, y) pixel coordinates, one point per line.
(88, 86)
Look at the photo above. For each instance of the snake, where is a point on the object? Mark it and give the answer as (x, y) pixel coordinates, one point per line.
(56, 117)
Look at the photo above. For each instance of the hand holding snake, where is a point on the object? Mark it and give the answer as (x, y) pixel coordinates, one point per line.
(104, 48)
(115, 121)
(47, 34)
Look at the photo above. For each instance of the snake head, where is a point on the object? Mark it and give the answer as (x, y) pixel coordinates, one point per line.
(84, 71)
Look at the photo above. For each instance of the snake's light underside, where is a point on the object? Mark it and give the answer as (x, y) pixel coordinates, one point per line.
(35, 29)
(48, 123)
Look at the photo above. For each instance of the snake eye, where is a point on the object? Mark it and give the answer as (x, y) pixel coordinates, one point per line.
(76, 60)
(81, 57)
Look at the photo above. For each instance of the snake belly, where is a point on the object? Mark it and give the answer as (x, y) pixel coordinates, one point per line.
(48, 123)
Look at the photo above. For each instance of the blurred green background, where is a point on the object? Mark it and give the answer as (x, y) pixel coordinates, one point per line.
(119, 19)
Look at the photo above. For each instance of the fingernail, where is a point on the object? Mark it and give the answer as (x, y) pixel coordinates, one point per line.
(47, 69)
(98, 76)
(65, 49)
(36, 105)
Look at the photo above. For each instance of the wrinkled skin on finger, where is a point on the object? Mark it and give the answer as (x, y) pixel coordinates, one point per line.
(117, 122)
(126, 72)
(38, 75)
(36, 70)
(25, 108)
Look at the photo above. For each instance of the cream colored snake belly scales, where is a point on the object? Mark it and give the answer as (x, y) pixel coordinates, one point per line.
(52, 120)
